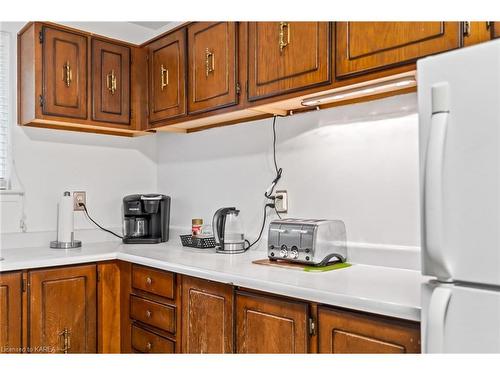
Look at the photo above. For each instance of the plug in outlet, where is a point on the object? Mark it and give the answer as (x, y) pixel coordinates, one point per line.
(281, 201)
(79, 197)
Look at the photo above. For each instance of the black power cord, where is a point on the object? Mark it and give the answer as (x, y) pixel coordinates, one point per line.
(92, 220)
(269, 192)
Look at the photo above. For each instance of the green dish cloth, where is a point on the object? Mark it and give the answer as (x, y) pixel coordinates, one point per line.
(330, 267)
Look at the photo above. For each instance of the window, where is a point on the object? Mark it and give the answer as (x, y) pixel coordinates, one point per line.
(4, 111)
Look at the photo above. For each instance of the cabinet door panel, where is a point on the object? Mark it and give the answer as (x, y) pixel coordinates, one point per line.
(496, 29)
(167, 76)
(110, 82)
(207, 316)
(212, 65)
(270, 325)
(301, 60)
(63, 309)
(349, 333)
(10, 312)
(366, 46)
(64, 73)
(476, 32)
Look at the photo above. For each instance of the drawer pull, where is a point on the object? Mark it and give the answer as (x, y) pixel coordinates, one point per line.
(149, 280)
(149, 346)
(148, 314)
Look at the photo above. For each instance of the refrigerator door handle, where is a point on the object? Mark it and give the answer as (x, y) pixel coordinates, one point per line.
(433, 185)
(438, 306)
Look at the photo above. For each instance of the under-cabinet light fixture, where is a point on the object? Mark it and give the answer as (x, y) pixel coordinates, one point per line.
(377, 86)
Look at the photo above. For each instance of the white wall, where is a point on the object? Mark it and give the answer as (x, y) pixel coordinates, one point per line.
(49, 162)
(356, 163)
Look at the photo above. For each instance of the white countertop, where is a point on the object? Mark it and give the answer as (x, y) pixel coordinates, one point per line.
(382, 290)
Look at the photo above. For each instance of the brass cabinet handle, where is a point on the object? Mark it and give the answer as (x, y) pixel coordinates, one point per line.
(67, 75)
(111, 82)
(65, 334)
(149, 281)
(467, 31)
(148, 314)
(209, 62)
(284, 41)
(164, 80)
(149, 346)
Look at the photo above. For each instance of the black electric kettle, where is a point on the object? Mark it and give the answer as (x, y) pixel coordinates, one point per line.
(228, 231)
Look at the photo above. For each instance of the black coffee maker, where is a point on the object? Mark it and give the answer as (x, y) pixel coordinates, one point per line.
(146, 218)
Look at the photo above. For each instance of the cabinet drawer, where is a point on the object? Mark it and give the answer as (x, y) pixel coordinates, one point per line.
(153, 281)
(153, 313)
(148, 342)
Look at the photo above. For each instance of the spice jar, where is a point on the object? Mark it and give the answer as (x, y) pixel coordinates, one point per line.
(196, 225)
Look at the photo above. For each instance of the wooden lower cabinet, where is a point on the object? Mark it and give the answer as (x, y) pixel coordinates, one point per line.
(207, 311)
(62, 310)
(267, 324)
(10, 312)
(145, 341)
(345, 332)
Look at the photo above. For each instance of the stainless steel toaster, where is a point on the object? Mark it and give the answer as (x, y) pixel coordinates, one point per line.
(308, 241)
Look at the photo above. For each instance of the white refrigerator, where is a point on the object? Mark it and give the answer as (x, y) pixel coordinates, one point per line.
(459, 141)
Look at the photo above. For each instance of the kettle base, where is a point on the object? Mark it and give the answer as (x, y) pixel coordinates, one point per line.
(231, 248)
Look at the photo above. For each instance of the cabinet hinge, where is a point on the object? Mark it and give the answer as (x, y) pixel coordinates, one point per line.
(23, 285)
(41, 100)
(488, 25)
(40, 36)
(238, 88)
(98, 276)
(312, 327)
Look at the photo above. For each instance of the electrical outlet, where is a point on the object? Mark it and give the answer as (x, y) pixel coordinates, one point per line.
(79, 197)
(281, 201)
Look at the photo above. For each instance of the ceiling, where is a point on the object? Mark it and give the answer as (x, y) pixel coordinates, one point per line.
(153, 25)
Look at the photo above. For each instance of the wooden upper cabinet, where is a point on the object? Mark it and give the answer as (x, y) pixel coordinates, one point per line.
(64, 82)
(207, 311)
(167, 77)
(496, 29)
(10, 312)
(475, 32)
(62, 309)
(363, 47)
(287, 56)
(270, 324)
(110, 82)
(212, 56)
(351, 333)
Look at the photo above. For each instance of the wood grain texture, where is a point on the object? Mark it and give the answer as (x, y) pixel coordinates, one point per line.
(154, 281)
(145, 341)
(479, 32)
(108, 307)
(207, 316)
(167, 87)
(64, 73)
(496, 29)
(215, 89)
(347, 332)
(10, 312)
(153, 313)
(63, 298)
(110, 59)
(367, 46)
(270, 324)
(303, 63)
